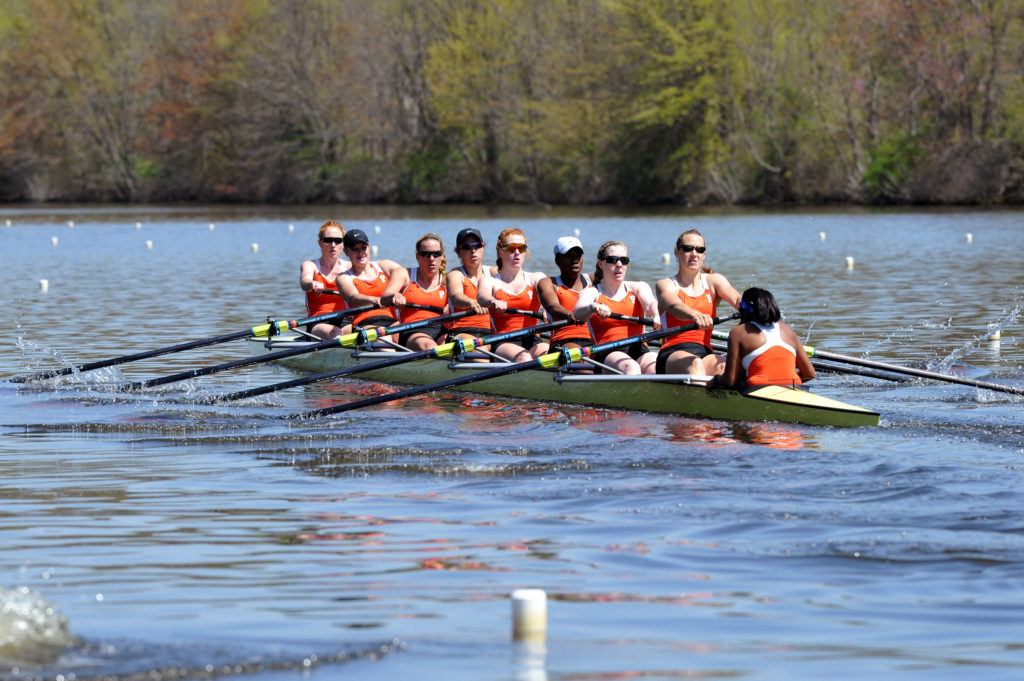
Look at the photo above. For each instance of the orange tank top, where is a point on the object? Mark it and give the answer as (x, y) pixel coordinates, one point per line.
(703, 302)
(774, 363)
(481, 321)
(567, 298)
(607, 330)
(527, 299)
(372, 287)
(437, 296)
(322, 303)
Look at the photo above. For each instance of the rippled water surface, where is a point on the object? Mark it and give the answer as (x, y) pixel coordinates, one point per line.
(147, 535)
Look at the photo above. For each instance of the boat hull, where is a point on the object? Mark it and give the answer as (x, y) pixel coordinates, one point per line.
(669, 395)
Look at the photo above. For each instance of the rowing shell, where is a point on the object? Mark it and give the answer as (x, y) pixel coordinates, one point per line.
(669, 394)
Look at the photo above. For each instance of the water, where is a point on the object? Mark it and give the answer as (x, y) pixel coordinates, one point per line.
(149, 536)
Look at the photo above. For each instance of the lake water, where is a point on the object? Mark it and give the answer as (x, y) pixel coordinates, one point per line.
(178, 540)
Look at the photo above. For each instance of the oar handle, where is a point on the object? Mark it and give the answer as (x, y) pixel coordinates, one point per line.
(576, 354)
(525, 313)
(646, 321)
(277, 326)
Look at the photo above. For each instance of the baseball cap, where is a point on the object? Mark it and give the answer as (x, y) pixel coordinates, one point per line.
(566, 244)
(355, 236)
(467, 234)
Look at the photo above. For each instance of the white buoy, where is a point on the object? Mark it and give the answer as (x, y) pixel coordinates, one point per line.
(71, 224)
(8, 223)
(849, 262)
(576, 231)
(821, 235)
(53, 241)
(666, 258)
(376, 229)
(255, 247)
(138, 225)
(970, 237)
(44, 285)
(291, 228)
(212, 226)
(995, 335)
(529, 614)
(373, 250)
(149, 244)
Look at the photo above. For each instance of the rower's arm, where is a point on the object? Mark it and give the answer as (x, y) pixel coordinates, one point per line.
(549, 298)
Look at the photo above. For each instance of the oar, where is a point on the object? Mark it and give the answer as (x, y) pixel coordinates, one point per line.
(278, 326)
(445, 350)
(907, 371)
(548, 361)
(367, 335)
(646, 321)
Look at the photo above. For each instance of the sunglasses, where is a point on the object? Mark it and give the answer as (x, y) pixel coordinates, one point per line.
(614, 259)
(687, 248)
(332, 240)
(470, 247)
(515, 248)
(430, 254)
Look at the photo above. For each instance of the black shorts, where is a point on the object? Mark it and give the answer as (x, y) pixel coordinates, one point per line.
(635, 351)
(435, 331)
(377, 320)
(525, 342)
(698, 350)
(474, 331)
(581, 342)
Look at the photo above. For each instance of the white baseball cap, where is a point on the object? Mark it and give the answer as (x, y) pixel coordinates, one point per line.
(566, 244)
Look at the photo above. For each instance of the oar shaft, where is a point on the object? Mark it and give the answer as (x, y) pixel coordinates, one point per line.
(646, 321)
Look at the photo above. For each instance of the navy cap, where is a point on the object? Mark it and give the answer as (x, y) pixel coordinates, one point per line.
(355, 236)
(466, 234)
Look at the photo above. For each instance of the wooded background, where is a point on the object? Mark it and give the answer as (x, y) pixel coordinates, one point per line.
(556, 101)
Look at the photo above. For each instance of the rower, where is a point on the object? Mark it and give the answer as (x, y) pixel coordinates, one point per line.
(513, 287)
(612, 293)
(422, 285)
(764, 350)
(560, 293)
(692, 295)
(463, 283)
(319, 279)
(365, 281)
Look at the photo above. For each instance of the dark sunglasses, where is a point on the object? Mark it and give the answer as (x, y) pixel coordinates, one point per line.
(470, 247)
(687, 248)
(612, 259)
(430, 254)
(332, 240)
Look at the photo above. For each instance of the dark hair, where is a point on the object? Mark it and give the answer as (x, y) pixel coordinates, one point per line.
(758, 305)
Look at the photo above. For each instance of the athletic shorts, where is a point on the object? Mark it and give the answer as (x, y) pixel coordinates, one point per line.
(435, 331)
(698, 350)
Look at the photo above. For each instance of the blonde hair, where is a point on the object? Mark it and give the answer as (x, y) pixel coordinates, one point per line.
(327, 225)
(444, 256)
(601, 252)
(680, 244)
(505, 233)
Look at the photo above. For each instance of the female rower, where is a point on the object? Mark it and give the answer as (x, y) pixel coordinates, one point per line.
(692, 295)
(610, 294)
(560, 293)
(763, 349)
(422, 285)
(365, 281)
(316, 277)
(463, 283)
(512, 287)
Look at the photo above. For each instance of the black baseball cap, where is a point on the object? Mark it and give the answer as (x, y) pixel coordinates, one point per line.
(355, 236)
(467, 234)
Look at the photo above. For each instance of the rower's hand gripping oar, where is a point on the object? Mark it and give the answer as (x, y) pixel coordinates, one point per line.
(907, 371)
(445, 350)
(548, 361)
(267, 329)
(360, 337)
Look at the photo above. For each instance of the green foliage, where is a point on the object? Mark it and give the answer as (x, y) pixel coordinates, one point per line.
(892, 163)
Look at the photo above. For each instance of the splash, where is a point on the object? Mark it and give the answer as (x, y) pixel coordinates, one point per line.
(968, 347)
(31, 628)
